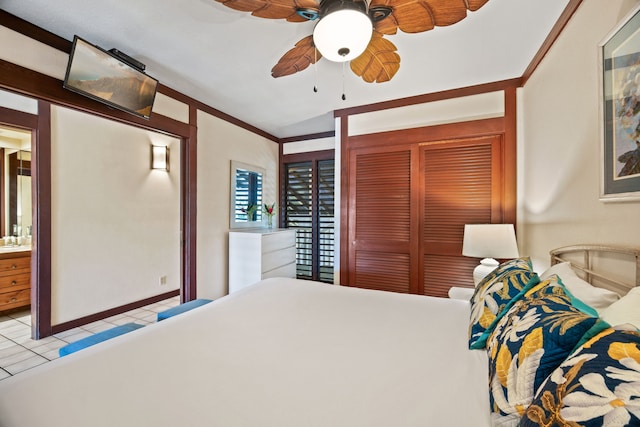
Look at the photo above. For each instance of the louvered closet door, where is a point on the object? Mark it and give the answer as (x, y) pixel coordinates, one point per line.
(462, 184)
(380, 213)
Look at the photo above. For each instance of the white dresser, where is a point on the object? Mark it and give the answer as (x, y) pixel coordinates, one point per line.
(256, 254)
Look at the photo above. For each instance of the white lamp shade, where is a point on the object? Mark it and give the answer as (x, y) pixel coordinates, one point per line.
(343, 35)
(489, 241)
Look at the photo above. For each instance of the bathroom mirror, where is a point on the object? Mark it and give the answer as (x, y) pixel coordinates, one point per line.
(19, 180)
(246, 195)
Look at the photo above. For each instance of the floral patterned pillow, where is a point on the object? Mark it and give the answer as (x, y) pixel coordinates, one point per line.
(495, 294)
(528, 343)
(598, 385)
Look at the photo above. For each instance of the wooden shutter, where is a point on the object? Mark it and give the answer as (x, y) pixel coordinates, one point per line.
(298, 214)
(326, 221)
(380, 218)
(461, 185)
(310, 208)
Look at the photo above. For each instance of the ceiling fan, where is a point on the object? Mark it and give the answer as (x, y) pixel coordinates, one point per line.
(354, 30)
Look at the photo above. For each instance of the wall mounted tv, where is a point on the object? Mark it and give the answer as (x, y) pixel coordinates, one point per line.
(103, 76)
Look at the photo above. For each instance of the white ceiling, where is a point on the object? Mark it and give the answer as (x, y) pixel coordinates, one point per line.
(223, 57)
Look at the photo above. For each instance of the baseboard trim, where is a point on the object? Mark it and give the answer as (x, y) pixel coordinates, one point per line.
(61, 327)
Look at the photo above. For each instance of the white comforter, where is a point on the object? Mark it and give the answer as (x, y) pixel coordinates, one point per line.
(281, 353)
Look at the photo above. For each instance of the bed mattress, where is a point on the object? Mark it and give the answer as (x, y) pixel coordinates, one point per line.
(280, 353)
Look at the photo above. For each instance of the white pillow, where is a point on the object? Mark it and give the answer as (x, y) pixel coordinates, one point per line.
(625, 310)
(597, 298)
(461, 293)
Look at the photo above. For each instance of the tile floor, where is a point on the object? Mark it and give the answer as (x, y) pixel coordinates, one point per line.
(18, 352)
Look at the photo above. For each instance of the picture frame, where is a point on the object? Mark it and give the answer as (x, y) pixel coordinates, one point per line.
(619, 55)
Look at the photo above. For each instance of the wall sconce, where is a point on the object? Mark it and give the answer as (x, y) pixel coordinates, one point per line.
(160, 157)
(488, 241)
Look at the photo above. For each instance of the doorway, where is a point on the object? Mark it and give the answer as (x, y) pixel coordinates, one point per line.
(16, 218)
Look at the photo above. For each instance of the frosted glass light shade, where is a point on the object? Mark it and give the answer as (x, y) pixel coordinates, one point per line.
(343, 35)
(160, 157)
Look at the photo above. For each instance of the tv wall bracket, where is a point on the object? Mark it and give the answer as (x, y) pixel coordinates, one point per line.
(127, 59)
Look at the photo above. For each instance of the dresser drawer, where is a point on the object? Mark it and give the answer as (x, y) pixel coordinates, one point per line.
(278, 240)
(288, 270)
(15, 282)
(15, 265)
(19, 298)
(274, 259)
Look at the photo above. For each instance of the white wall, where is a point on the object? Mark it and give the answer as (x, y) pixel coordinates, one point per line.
(472, 107)
(115, 222)
(559, 168)
(219, 142)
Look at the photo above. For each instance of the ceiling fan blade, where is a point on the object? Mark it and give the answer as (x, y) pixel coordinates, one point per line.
(379, 62)
(273, 9)
(476, 4)
(297, 59)
(416, 16)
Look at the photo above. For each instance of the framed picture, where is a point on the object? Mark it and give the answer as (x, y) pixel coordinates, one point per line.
(620, 111)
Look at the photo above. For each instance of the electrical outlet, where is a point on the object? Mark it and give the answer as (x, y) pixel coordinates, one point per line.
(163, 280)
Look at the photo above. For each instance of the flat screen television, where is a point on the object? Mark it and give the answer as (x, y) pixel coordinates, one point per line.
(98, 74)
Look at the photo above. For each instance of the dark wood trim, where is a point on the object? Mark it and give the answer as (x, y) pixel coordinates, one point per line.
(226, 117)
(33, 31)
(510, 162)
(172, 93)
(430, 133)
(559, 26)
(189, 207)
(430, 97)
(33, 84)
(282, 178)
(113, 311)
(14, 118)
(344, 200)
(41, 232)
(309, 156)
(329, 134)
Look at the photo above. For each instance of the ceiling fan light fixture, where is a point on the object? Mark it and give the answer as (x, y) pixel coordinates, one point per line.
(343, 34)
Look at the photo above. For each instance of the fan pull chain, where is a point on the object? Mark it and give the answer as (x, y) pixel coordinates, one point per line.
(315, 70)
(344, 66)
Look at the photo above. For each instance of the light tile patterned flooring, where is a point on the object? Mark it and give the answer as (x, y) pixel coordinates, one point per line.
(18, 352)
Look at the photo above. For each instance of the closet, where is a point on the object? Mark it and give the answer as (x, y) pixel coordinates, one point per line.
(410, 192)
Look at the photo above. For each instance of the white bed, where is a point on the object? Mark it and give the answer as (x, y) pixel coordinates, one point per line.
(280, 353)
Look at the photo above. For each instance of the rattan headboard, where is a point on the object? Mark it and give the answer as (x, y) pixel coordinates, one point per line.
(586, 258)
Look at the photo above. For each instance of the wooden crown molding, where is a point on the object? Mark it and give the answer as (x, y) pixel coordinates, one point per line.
(43, 36)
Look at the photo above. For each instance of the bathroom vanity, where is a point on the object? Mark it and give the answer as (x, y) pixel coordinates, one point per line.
(15, 277)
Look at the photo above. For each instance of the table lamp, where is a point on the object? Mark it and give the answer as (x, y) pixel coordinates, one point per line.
(488, 241)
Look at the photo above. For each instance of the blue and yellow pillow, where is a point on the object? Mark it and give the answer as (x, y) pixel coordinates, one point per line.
(495, 294)
(598, 385)
(529, 342)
